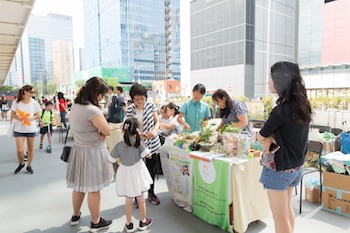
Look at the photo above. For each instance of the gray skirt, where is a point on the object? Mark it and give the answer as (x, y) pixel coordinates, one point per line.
(88, 169)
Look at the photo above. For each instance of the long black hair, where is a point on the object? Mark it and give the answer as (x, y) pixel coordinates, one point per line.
(220, 94)
(60, 95)
(290, 88)
(131, 127)
(91, 89)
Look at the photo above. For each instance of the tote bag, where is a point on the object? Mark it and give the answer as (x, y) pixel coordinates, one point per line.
(11, 129)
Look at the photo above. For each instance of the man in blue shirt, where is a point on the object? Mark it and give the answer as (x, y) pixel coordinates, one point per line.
(194, 111)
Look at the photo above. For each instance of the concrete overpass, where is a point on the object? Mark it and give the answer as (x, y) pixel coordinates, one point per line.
(14, 15)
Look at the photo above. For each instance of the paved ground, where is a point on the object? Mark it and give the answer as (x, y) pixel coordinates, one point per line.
(42, 203)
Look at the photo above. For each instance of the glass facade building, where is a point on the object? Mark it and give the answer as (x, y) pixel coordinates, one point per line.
(310, 32)
(36, 51)
(131, 34)
(324, 46)
(230, 43)
(37, 58)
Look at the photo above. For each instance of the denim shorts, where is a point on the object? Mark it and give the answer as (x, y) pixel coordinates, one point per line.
(26, 135)
(277, 180)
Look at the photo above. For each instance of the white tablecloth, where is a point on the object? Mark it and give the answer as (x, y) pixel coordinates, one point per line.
(248, 197)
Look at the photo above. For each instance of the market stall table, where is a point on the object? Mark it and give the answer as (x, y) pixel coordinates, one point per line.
(221, 191)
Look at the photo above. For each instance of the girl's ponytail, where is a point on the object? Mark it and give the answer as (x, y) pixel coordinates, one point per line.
(131, 129)
(126, 134)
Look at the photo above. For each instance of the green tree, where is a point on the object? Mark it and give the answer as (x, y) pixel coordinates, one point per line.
(79, 83)
(267, 105)
(111, 81)
(44, 85)
(37, 88)
(6, 88)
(51, 87)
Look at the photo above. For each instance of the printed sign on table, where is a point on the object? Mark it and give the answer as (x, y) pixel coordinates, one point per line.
(177, 169)
(210, 188)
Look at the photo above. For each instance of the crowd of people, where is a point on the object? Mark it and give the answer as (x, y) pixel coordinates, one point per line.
(89, 167)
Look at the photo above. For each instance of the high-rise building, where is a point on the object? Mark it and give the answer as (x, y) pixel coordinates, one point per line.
(132, 34)
(37, 59)
(63, 64)
(234, 43)
(324, 46)
(172, 35)
(36, 52)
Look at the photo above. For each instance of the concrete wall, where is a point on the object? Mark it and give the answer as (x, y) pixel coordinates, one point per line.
(332, 117)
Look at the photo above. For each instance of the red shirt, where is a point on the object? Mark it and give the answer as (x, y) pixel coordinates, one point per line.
(63, 102)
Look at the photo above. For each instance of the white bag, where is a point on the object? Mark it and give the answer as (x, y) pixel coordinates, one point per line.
(11, 129)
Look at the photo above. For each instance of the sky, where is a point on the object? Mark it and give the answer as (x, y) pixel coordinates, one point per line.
(72, 8)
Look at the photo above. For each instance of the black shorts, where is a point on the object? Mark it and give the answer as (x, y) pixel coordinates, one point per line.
(44, 130)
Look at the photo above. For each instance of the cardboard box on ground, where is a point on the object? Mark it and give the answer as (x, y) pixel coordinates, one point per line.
(313, 195)
(336, 193)
(312, 188)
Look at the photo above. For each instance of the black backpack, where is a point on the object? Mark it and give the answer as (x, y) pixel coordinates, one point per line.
(114, 111)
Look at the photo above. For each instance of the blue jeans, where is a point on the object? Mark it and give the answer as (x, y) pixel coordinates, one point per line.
(63, 119)
(277, 180)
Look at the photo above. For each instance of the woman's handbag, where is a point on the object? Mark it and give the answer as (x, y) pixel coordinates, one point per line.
(65, 153)
(66, 150)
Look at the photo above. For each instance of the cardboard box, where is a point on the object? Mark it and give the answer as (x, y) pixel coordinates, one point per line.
(336, 193)
(256, 153)
(313, 195)
(336, 181)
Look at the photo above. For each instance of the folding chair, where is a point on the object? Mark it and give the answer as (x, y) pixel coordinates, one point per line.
(316, 148)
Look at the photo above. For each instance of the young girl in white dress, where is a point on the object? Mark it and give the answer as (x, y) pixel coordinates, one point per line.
(133, 177)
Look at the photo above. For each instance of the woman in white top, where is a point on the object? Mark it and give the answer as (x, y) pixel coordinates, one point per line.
(25, 111)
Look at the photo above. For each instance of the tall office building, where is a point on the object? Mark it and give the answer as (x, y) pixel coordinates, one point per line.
(63, 64)
(234, 43)
(36, 51)
(324, 46)
(172, 35)
(132, 34)
(37, 58)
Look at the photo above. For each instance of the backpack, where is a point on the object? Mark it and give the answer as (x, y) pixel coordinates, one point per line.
(42, 114)
(114, 111)
(114, 103)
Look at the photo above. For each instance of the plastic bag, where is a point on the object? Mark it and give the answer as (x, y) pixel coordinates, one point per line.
(312, 182)
(11, 129)
(345, 142)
